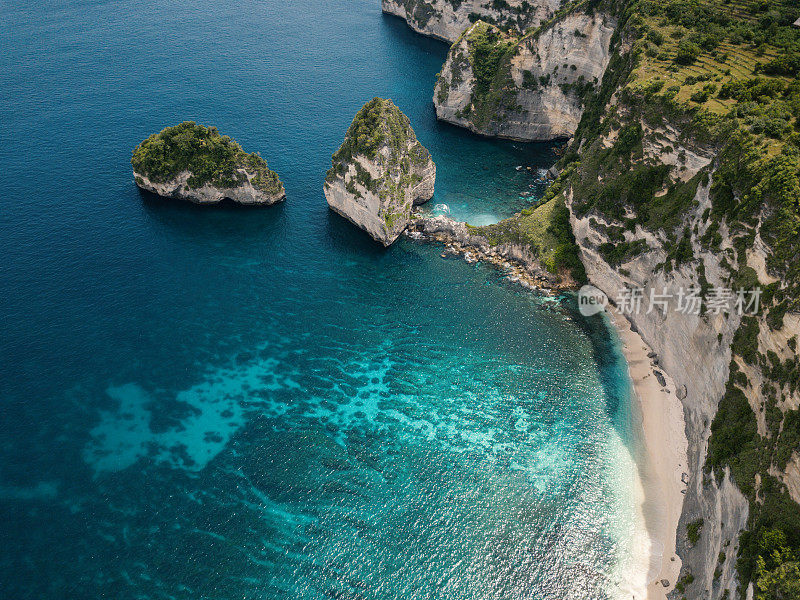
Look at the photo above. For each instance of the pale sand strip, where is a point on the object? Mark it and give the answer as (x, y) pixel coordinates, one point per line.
(665, 447)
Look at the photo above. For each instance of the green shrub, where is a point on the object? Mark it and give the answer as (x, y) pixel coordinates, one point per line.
(693, 530)
(688, 52)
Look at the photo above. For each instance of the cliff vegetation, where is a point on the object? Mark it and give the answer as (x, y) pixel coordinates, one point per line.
(379, 171)
(545, 229)
(706, 92)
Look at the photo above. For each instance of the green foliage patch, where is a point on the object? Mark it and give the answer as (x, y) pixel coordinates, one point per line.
(380, 132)
(209, 157)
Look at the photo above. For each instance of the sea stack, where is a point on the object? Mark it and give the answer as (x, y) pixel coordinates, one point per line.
(193, 162)
(379, 172)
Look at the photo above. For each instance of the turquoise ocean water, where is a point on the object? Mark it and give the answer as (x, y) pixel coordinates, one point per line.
(231, 403)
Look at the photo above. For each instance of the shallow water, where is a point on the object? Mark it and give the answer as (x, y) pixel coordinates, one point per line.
(233, 403)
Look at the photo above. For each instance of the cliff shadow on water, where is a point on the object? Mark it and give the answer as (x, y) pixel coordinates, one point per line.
(397, 28)
(479, 179)
(612, 371)
(209, 221)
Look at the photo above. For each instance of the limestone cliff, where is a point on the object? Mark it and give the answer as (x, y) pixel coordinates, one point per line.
(525, 88)
(379, 172)
(675, 186)
(447, 19)
(694, 350)
(247, 191)
(195, 163)
(644, 217)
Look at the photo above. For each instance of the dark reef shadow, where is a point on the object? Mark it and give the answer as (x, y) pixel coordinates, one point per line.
(397, 28)
(346, 237)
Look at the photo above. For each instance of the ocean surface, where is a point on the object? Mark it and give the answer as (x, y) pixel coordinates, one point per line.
(228, 403)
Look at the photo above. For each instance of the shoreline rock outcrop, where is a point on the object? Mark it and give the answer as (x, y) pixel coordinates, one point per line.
(446, 19)
(526, 88)
(380, 172)
(518, 260)
(195, 163)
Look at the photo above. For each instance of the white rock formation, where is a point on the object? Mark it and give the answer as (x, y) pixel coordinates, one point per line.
(379, 172)
(195, 163)
(244, 193)
(679, 339)
(536, 90)
(447, 19)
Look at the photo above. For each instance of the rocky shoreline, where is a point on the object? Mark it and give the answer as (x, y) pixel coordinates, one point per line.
(516, 260)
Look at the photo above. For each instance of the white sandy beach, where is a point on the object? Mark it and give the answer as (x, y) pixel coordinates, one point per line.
(665, 444)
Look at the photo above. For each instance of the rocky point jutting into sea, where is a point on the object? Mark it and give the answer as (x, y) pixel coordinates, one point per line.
(447, 19)
(380, 172)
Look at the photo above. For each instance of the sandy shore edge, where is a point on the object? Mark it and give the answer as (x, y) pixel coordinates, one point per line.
(665, 448)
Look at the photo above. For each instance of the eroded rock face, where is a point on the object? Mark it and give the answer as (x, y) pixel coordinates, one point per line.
(178, 187)
(379, 172)
(677, 339)
(447, 19)
(524, 88)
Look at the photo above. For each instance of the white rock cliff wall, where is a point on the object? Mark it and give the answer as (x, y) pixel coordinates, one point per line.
(447, 19)
(245, 193)
(544, 86)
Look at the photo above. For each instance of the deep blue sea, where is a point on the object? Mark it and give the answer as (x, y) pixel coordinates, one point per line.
(222, 403)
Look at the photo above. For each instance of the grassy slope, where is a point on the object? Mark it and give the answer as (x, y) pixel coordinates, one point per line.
(545, 229)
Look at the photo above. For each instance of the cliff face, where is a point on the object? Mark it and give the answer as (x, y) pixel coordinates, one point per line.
(379, 172)
(643, 216)
(246, 192)
(447, 19)
(524, 88)
(694, 350)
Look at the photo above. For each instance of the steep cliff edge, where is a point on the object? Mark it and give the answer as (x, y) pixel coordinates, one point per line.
(447, 19)
(195, 163)
(677, 185)
(528, 87)
(694, 350)
(379, 172)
